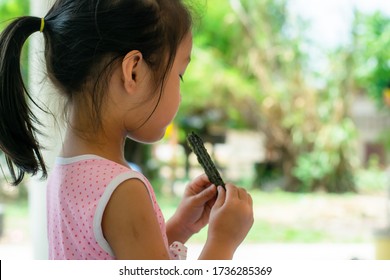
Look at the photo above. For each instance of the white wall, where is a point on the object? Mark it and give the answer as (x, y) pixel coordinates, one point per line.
(40, 88)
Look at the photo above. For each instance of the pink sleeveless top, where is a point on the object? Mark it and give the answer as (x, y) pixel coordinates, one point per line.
(78, 191)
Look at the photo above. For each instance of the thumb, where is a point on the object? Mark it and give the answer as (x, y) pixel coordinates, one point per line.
(206, 194)
(221, 197)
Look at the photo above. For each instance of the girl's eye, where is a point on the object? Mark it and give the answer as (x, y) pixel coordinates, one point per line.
(181, 78)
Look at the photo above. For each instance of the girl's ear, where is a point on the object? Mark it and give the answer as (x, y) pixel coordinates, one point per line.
(131, 69)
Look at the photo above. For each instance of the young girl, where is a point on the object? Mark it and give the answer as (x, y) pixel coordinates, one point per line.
(119, 64)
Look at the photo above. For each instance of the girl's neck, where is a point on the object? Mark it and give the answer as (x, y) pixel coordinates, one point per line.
(75, 145)
(105, 143)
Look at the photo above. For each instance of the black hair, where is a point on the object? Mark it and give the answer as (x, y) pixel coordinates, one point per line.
(83, 40)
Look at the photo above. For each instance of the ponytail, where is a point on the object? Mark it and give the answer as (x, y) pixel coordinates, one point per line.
(18, 124)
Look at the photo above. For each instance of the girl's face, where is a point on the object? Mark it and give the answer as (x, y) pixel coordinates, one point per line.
(167, 102)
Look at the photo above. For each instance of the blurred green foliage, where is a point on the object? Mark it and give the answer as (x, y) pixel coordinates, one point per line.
(13, 8)
(372, 179)
(250, 70)
(249, 64)
(372, 55)
(10, 9)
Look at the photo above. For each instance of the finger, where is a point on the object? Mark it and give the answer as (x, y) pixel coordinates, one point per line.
(206, 194)
(231, 191)
(242, 194)
(197, 185)
(212, 201)
(250, 200)
(201, 181)
(221, 197)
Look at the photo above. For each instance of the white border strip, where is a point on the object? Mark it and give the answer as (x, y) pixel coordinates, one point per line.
(63, 160)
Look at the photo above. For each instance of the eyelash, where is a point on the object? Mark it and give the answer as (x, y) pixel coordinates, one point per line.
(181, 78)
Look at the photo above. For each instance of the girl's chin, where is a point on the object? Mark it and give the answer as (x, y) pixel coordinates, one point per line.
(147, 138)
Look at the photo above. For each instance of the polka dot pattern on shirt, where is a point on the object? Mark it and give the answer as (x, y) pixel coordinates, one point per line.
(74, 191)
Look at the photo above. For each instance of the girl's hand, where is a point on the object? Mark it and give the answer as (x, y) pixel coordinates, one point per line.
(194, 210)
(230, 220)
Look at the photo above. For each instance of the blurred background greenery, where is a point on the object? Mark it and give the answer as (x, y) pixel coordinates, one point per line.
(294, 134)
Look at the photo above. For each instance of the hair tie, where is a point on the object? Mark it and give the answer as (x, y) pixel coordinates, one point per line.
(42, 25)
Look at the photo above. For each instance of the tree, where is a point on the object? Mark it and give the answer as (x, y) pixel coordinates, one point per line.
(254, 56)
(373, 71)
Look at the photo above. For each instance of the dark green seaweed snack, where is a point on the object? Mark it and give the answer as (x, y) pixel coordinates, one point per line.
(197, 146)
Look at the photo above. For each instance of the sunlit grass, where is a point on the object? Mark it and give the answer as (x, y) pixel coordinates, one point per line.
(282, 217)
